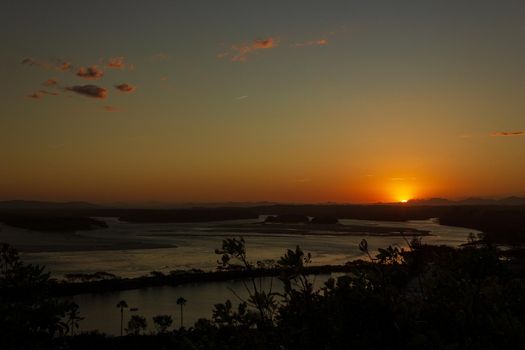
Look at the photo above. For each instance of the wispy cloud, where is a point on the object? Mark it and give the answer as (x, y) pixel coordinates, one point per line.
(47, 65)
(318, 42)
(508, 133)
(160, 57)
(222, 55)
(92, 72)
(40, 93)
(125, 87)
(89, 90)
(111, 108)
(465, 136)
(35, 95)
(51, 93)
(240, 52)
(402, 178)
(267, 43)
(241, 97)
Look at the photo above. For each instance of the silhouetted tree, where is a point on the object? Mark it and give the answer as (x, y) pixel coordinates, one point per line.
(122, 305)
(181, 301)
(73, 319)
(29, 315)
(136, 325)
(234, 258)
(162, 323)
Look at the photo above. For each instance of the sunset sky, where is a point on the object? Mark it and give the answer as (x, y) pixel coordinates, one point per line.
(291, 101)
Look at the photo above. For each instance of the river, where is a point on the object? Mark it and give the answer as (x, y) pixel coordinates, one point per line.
(187, 246)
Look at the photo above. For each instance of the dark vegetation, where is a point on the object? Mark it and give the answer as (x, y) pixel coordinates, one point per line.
(185, 215)
(500, 224)
(433, 297)
(50, 221)
(92, 283)
(75, 219)
(30, 318)
(424, 297)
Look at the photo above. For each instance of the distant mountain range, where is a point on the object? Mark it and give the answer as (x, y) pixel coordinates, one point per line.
(36, 205)
(23, 204)
(469, 201)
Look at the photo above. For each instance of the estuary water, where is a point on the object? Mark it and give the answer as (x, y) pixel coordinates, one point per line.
(168, 247)
(192, 246)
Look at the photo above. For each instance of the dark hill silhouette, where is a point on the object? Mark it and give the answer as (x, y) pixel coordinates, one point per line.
(23, 204)
(469, 201)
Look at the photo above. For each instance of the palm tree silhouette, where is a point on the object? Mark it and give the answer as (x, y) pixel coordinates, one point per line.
(73, 318)
(122, 305)
(181, 301)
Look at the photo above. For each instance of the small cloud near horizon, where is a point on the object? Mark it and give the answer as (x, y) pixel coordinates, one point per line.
(125, 87)
(241, 97)
(508, 133)
(93, 91)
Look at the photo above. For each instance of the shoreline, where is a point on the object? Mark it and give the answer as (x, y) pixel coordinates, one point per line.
(68, 289)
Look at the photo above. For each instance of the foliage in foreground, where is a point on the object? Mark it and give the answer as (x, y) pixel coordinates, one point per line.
(29, 317)
(426, 297)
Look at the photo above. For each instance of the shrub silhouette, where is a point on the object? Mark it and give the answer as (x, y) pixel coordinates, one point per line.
(29, 316)
(136, 325)
(162, 323)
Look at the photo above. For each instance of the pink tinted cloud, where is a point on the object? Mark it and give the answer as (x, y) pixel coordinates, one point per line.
(92, 72)
(125, 87)
(50, 82)
(93, 91)
(240, 52)
(319, 42)
(508, 133)
(267, 43)
(119, 63)
(116, 62)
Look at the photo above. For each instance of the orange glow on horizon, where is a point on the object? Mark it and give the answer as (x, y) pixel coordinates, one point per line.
(403, 192)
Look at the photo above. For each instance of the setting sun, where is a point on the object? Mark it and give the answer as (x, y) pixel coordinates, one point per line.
(403, 201)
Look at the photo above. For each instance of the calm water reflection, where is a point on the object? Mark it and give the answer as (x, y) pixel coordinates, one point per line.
(191, 246)
(101, 313)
